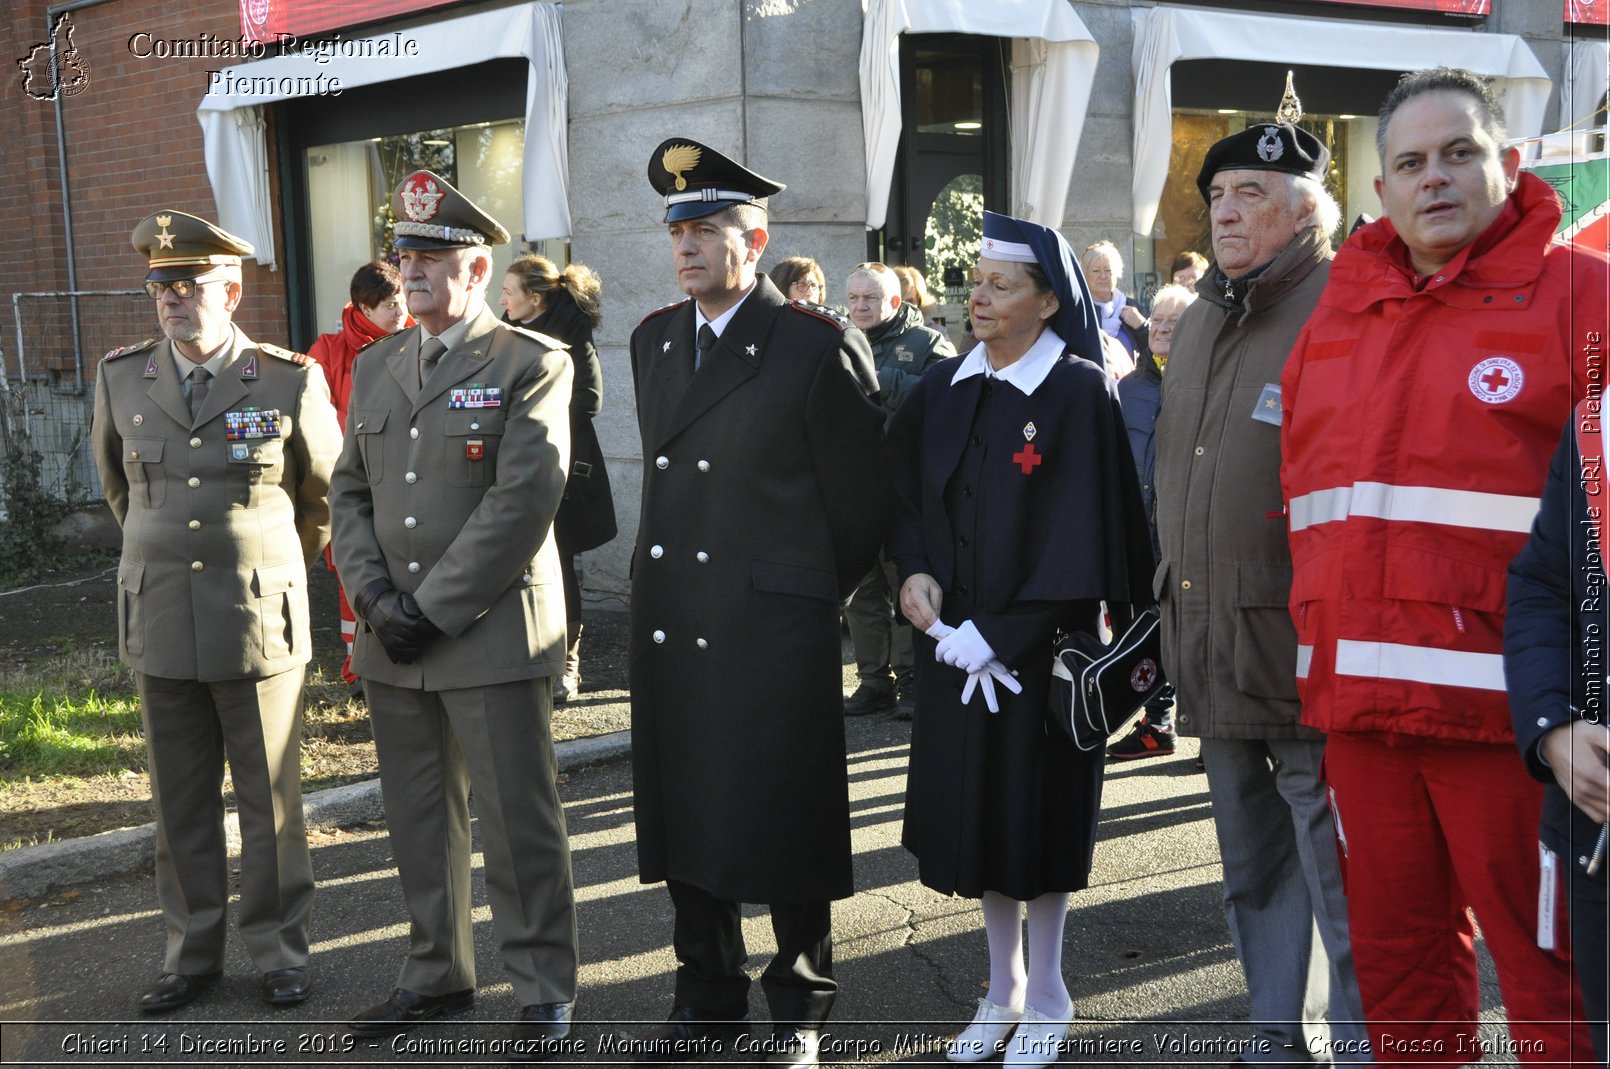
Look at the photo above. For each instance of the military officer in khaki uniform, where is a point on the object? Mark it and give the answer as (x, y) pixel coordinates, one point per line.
(215, 455)
(443, 500)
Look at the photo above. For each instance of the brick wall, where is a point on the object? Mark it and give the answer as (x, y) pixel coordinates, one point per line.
(133, 146)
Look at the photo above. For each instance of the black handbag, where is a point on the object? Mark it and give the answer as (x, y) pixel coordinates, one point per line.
(1096, 688)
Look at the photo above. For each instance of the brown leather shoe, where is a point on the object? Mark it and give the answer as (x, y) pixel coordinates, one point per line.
(173, 990)
(404, 1009)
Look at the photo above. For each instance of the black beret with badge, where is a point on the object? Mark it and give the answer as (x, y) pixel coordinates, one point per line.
(696, 180)
(1266, 146)
(431, 214)
(180, 245)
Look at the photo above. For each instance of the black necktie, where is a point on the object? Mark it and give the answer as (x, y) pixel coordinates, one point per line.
(200, 378)
(707, 341)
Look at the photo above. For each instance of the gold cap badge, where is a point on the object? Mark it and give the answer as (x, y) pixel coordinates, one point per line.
(678, 159)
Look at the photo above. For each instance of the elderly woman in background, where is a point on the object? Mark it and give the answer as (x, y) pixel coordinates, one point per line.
(565, 305)
(801, 279)
(1017, 514)
(1141, 394)
(377, 308)
(1119, 316)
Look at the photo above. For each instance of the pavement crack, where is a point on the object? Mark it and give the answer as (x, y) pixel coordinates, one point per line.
(909, 921)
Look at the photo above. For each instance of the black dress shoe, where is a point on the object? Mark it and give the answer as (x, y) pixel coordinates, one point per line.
(687, 1034)
(404, 1009)
(869, 699)
(286, 987)
(794, 1047)
(173, 990)
(541, 1031)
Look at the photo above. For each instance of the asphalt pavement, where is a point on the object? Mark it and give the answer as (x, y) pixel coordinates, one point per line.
(1146, 954)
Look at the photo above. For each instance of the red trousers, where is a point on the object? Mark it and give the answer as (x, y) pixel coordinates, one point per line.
(349, 619)
(1431, 830)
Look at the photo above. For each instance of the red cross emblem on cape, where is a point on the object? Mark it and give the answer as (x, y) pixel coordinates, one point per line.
(1026, 458)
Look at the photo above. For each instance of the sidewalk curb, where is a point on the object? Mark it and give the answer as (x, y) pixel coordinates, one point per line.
(36, 871)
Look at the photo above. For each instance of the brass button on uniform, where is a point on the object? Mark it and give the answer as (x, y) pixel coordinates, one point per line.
(410, 523)
(196, 566)
(195, 443)
(410, 478)
(195, 525)
(702, 557)
(1185, 584)
(413, 432)
(134, 454)
(701, 643)
(1200, 450)
(194, 482)
(413, 566)
(704, 465)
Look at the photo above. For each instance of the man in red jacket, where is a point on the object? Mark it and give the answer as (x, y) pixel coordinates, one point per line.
(1422, 403)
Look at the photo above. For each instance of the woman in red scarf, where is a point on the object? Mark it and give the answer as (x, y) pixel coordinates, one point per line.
(377, 308)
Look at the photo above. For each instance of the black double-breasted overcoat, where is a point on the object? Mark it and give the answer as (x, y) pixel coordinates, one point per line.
(764, 478)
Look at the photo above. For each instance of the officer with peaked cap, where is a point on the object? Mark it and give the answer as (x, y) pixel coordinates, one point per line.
(443, 501)
(215, 454)
(763, 477)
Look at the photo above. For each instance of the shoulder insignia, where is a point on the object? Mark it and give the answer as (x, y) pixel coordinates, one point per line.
(822, 311)
(547, 341)
(673, 306)
(284, 354)
(137, 347)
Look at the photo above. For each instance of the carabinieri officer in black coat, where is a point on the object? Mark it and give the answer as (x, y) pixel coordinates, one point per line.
(763, 480)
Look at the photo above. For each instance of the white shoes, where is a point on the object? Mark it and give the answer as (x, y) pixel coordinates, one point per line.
(981, 1039)
(1038, 1040)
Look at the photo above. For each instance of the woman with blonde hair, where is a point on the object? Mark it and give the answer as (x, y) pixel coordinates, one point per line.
(564, 304)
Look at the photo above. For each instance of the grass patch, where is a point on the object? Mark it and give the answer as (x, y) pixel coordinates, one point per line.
(68, 734)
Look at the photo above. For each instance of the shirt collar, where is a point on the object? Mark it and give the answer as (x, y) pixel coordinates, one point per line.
(719, 323)
(1026, 374)
(453, 334)
(214, 363)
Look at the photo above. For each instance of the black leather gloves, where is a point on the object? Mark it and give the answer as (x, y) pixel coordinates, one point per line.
(394, 617)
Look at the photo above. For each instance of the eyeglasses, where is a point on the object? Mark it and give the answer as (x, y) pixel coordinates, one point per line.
(182, 288)
(809, 285)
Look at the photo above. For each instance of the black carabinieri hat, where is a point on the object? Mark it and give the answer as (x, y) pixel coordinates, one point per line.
(1266, 146)
(696, 180)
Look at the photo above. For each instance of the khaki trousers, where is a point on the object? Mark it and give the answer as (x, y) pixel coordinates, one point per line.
(189, 729)
(433, 747)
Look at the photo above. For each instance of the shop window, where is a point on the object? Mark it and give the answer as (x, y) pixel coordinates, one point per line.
(349, 188)
(1182, 217)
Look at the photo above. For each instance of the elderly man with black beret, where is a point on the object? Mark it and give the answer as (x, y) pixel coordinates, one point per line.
(1228, 643)
(215, 454)
(457, 443)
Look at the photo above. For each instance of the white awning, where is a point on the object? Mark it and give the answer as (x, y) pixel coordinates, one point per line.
(1053, 66)
(1587, 70)
(1164, 35)
(237, 152)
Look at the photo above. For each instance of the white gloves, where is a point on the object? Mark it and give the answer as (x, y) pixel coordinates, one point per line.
(963, 647)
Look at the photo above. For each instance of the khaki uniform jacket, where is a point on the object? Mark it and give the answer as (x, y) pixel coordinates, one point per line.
(1228, 641)
(217, 533)
(456, 504)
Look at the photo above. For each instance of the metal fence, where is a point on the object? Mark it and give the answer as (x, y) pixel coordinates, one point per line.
(49, 378)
